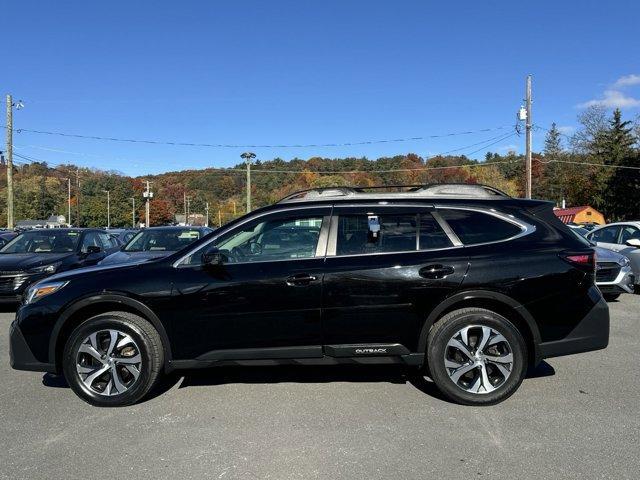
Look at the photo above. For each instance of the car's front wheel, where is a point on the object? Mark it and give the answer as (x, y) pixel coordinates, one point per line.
(476, 356)
(113, 359)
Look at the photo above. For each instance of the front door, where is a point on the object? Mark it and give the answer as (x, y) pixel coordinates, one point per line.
(386, 268)
(264, 300)
(607, 237)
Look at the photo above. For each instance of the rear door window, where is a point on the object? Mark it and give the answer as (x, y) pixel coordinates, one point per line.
(606, 234)
(629, 232)
(474, 227)
(364, 233)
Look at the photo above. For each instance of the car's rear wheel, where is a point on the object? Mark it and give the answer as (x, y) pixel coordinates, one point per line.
(113, 359)
(476, 356)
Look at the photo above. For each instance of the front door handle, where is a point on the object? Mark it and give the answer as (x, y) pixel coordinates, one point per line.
(436, 271)
(300, 279)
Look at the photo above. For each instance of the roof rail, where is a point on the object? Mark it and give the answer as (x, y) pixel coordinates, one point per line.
(435, 190)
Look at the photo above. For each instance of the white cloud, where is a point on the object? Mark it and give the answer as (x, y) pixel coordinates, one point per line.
(612, 99)
(627, 81)
(508, 148)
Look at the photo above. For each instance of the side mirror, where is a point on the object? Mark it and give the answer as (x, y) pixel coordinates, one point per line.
(92, 249)
(633, 242)
(212, 257)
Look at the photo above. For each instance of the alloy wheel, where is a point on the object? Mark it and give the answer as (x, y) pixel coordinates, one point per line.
(478, 359)
(109, 362)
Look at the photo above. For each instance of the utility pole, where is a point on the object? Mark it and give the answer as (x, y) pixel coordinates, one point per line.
(148, 194)
(133, 212)
(9, 162)
(69, 200)
(78, 198)
(184, 204)
(248, 156)
(10, 105)
(206, 209)
(219, 217)
(528, 128)
(108, 208)
(188, 211)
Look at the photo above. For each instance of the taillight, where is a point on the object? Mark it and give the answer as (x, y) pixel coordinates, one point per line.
(585, 261)
(581, 259)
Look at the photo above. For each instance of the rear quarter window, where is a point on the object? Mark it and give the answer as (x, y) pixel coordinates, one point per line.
(473, 227)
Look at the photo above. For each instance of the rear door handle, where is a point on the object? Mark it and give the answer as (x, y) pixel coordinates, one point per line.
(300, 279)
(436, 271)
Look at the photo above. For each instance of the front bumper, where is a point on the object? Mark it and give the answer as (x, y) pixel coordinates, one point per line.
(591, 333)
(20, 355)
(623, 283)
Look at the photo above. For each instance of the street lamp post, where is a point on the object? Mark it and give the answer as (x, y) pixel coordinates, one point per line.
(108, 208)
(248, 156)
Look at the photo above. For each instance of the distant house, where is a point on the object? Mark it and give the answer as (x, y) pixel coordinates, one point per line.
(580, 215)
(54, 221)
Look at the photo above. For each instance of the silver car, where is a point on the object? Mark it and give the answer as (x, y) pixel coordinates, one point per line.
(621, 237)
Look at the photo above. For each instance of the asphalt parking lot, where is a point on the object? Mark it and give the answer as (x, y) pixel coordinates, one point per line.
(575, 417)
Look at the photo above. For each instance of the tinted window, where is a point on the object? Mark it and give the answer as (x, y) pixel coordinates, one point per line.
(364, 233)
(606, 235)
(431, 234)
(107, 241)
(267, 240)
(162, 240)
(477, 227)
(43, 241)
(629, 232)
(91, 239)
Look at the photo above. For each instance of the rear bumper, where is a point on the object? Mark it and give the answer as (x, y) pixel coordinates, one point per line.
(592, 333)
(20, 355)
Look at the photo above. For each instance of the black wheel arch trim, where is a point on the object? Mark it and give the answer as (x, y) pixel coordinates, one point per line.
(461, 297)
(93, 300)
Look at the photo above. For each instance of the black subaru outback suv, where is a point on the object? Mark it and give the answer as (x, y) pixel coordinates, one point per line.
(462, 281)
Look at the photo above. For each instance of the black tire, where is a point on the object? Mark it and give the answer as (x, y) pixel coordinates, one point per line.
(151, 353)
(447, 327)
(610, 297)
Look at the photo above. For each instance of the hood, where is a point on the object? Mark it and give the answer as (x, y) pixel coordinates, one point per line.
(138, 257)
(605, 255)
(25, 261)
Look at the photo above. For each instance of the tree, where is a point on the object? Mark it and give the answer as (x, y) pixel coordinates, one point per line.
(551, 184)
(622, 196)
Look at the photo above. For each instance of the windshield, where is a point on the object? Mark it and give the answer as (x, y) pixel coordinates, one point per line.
(43, 241)
(170, 240)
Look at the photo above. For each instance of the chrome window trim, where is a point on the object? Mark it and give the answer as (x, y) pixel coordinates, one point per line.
(250, 218)
(403, 252)
(525, 228)
(447, 229)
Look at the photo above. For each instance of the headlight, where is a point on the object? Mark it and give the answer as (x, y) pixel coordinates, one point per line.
(39, 290)
(623, 262)
(49, 269)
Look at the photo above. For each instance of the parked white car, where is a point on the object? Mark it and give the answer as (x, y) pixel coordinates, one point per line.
(621, 237)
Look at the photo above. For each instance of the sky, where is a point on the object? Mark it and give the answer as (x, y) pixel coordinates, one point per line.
(297, 73)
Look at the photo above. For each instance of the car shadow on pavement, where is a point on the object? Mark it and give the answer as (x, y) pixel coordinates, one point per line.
(223, 375)
(8, 308)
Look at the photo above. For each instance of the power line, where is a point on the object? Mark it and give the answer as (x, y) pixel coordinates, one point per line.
(220, 145)
(587, 163)
(493, 141)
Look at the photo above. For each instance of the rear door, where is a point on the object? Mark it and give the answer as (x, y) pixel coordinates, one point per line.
(607, 237)
(386, 268)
